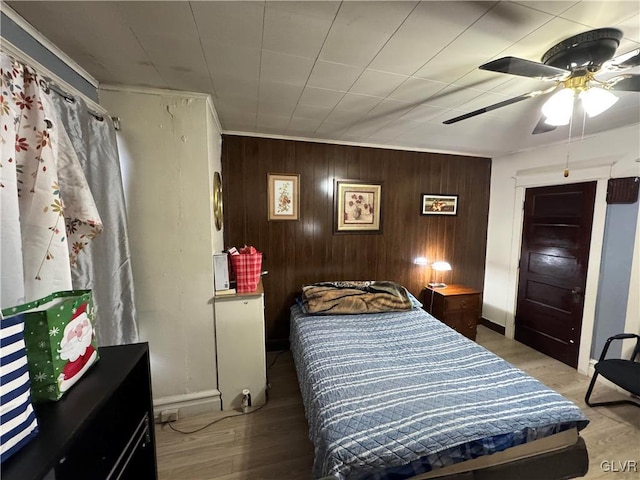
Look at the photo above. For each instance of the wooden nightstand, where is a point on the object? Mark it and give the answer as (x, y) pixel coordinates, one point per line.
(458, 306)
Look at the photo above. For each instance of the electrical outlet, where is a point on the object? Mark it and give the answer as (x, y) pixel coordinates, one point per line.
(167, 416)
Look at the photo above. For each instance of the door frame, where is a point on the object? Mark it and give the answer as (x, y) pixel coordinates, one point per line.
(522, 182)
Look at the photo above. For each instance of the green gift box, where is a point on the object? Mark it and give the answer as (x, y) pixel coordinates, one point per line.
(60, 338)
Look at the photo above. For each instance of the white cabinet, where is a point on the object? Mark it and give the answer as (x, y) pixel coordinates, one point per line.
(240, 346)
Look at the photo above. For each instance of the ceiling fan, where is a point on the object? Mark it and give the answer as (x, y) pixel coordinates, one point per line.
(572, 65)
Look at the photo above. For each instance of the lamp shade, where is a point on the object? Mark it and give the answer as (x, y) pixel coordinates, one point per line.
(596, 100)
(438, 267)
(441, 266)
(559, 107)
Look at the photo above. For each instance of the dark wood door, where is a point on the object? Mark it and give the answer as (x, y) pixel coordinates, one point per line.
(553, 268)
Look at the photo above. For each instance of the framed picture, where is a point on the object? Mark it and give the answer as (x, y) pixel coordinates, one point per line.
(439, 204)
(284, 196)
(357, 207)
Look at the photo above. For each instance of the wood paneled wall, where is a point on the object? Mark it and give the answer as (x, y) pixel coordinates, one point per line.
(305, 251)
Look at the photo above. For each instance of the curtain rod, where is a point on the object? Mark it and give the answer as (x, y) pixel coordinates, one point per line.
(50, 77)
(71, 99)
(32, 32)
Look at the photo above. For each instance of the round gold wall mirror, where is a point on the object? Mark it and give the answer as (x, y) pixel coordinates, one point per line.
(217, 200)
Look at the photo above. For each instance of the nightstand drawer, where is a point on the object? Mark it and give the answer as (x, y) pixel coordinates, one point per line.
(461, 303)
(458, 306)
(468, 326)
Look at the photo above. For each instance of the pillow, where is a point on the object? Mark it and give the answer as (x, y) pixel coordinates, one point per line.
(354, 297)
(300, 304)
(414, 301)
(18, 423)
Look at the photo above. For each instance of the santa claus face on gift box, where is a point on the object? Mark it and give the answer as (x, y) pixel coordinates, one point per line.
(76, 347)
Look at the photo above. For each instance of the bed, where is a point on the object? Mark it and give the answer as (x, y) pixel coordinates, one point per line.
(398, 394)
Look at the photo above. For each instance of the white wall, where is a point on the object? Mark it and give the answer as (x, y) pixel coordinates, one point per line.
(170, 146)
(600, 157)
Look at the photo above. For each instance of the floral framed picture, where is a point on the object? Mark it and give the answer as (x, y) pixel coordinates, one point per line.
(357, 206)
(283, 190)
(439, 204)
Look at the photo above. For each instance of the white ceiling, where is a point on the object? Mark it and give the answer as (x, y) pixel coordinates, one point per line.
(384, 73)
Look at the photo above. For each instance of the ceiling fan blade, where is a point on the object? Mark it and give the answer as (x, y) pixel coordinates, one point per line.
(488, 109)
(626, 60)
(542, 126)
(625, 83)
(525, 68)
(495, 106)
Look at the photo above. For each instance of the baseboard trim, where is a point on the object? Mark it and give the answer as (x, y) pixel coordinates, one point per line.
(189, 404)
(492, 326)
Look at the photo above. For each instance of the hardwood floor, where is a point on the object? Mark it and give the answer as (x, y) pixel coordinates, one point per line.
(272, 443)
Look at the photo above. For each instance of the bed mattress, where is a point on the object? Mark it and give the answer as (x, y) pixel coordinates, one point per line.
(393, 395)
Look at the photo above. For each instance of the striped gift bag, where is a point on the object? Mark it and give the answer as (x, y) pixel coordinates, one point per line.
(18, 424)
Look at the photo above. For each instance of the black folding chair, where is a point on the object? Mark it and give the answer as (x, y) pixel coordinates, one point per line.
(624, 373)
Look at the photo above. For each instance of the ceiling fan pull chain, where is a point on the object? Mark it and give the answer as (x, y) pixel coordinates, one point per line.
(584, 121)
(566, 168)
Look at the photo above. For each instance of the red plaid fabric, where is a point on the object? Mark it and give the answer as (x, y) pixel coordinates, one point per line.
(247, 267)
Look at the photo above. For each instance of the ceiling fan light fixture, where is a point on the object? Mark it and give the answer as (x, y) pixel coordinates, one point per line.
(596, 100)
(559, 107)
(558, 120)
(573, 64)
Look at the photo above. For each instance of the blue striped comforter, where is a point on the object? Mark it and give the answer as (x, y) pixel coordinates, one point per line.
(391, 395)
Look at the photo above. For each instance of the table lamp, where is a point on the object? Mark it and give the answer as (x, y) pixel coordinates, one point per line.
(438, 267)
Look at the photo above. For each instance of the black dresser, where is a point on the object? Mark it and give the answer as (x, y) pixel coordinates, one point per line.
(101, 429)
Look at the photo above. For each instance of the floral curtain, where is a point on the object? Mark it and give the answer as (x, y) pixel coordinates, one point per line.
(47, 213)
